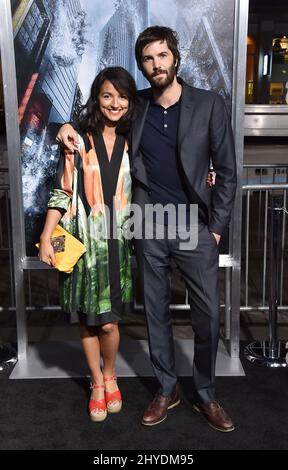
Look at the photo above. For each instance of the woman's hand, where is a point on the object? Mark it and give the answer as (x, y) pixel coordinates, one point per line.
(68, 137)
(46, 252)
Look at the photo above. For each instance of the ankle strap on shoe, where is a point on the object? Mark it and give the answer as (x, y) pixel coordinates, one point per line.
(111, 377)
(94, 386)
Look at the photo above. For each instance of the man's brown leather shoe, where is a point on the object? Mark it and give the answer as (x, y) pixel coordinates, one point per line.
(217, 418)
(157, 409)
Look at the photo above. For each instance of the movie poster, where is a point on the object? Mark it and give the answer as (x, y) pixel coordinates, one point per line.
(60, 45)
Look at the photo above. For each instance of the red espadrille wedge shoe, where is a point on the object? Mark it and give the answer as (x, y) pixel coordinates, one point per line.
(97, 408)
(113, 399)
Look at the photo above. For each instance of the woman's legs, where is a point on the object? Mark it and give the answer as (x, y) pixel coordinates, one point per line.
(109, 339)
(102, 341)
(91, 347)
(109, 344)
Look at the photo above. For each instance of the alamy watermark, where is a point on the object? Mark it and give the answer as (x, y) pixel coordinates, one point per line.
(154, 221)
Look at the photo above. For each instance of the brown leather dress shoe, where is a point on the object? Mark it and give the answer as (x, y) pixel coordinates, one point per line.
(217, 418)
(157, 409)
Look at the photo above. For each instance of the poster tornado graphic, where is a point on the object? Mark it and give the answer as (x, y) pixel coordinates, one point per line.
(61, 45)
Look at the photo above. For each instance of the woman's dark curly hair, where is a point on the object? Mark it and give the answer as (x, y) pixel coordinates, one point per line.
(90, 118)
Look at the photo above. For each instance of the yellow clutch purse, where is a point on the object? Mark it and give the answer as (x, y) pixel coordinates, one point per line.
(67, 249)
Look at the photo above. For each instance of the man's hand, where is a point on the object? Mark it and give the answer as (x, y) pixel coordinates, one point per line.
(217, 237)
(68, 137)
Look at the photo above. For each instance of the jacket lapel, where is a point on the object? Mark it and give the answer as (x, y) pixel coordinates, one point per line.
(186, 129)
(137, 165)
(138, 124)
(186, 111)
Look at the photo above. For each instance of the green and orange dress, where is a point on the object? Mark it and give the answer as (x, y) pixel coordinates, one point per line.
(88, 187)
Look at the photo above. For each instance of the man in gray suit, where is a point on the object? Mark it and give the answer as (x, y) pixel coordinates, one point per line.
(177, 131)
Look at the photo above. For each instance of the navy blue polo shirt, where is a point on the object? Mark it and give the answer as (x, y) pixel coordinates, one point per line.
(160, 156)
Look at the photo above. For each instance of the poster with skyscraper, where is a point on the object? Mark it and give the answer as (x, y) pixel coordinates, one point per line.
(61, 45)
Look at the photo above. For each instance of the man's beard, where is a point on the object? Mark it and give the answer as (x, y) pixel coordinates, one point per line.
(164, 82)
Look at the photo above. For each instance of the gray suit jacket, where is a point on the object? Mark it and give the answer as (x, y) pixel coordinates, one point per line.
(204, 134)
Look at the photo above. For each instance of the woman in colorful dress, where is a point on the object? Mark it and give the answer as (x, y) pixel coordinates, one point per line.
(91, 200)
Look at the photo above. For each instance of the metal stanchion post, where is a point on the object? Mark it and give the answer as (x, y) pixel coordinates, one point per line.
(8, 356)
(272, 353)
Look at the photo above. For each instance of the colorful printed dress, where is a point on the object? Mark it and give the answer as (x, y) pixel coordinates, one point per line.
(87, 188)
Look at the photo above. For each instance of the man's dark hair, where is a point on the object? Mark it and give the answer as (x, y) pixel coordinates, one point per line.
(157, 33)
(90, 118)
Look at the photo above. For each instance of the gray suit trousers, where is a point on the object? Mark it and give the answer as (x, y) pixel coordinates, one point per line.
(199, 269)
